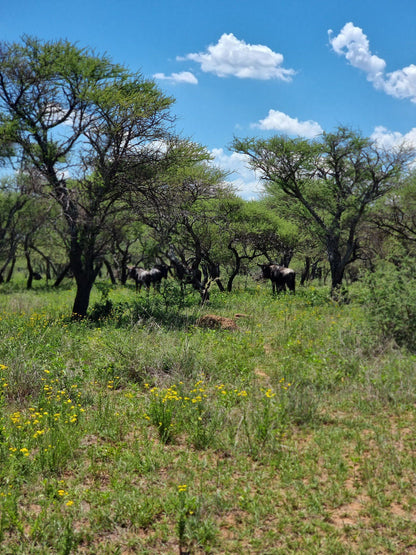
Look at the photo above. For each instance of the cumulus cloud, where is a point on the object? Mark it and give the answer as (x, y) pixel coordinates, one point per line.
(387, 139)
(234, 57)
(242, 178)
(354, 45)
(402, 83)
(182, 77)
(278, 121)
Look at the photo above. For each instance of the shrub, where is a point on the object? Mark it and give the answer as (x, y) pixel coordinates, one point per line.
(389, 297)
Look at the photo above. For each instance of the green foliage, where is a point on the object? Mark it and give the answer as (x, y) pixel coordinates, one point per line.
(265, 421)
(117, 120)
(315, 296)
(395, 215)
(155, 437)
(161, 411)
(389, 296)
(167, 307)
(107, 310)
(332, 182)
(193, 527)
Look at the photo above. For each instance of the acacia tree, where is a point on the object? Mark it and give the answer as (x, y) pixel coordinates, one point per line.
(396, 214)
(332, 181)
(180, 209)
(250, 230)
(13, 199)
(81, 122)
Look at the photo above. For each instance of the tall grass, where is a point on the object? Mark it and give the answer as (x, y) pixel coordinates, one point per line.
(139, 431)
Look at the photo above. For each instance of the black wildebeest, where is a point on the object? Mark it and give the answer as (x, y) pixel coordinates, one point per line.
(280, 277)
(189, 275)
(147, 277)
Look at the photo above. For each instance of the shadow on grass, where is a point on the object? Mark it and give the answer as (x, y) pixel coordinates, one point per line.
(14, 287)
(143, 311)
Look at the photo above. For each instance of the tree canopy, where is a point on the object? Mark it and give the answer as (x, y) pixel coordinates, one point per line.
(331, 183)
(95, 135)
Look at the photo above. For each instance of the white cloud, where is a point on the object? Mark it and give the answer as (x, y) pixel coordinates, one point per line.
(354, 45)
(393, 139)
(182, 77)
(278, 121)
(231, 56)
(242, 178)
(402, 83)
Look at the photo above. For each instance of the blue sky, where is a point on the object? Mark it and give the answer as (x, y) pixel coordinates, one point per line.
(246, 68)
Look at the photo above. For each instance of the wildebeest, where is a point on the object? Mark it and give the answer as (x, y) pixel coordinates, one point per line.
(280, 277)
(147, 277)
(189, 275)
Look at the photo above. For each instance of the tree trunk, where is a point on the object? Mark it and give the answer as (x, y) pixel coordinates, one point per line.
(29, 265)
(82, 298)
(10, 258)
(337, 275)
(236, 270)
(306, 270)
(212, 273)
(110, 272)
(337, 266)
(316, 272)
(124, 273)
(286, 258)
(85, 275)
(48, 271)
(48, 262)
(231, 279)
(61, 276)
(220, 285)
(11, 269)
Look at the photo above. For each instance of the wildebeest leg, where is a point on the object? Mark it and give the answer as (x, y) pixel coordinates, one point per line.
(279, 286)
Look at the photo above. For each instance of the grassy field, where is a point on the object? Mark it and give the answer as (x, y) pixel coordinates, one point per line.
(143, 432)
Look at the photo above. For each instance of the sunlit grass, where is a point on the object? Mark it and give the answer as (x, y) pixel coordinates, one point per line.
(137, 432)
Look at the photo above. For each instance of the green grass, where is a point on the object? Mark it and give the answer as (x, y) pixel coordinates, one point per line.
(140, 432)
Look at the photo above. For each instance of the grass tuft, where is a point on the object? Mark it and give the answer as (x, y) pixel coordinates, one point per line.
(136, 430)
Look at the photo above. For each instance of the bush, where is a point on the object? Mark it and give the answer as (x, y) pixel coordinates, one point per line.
(389, 297)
